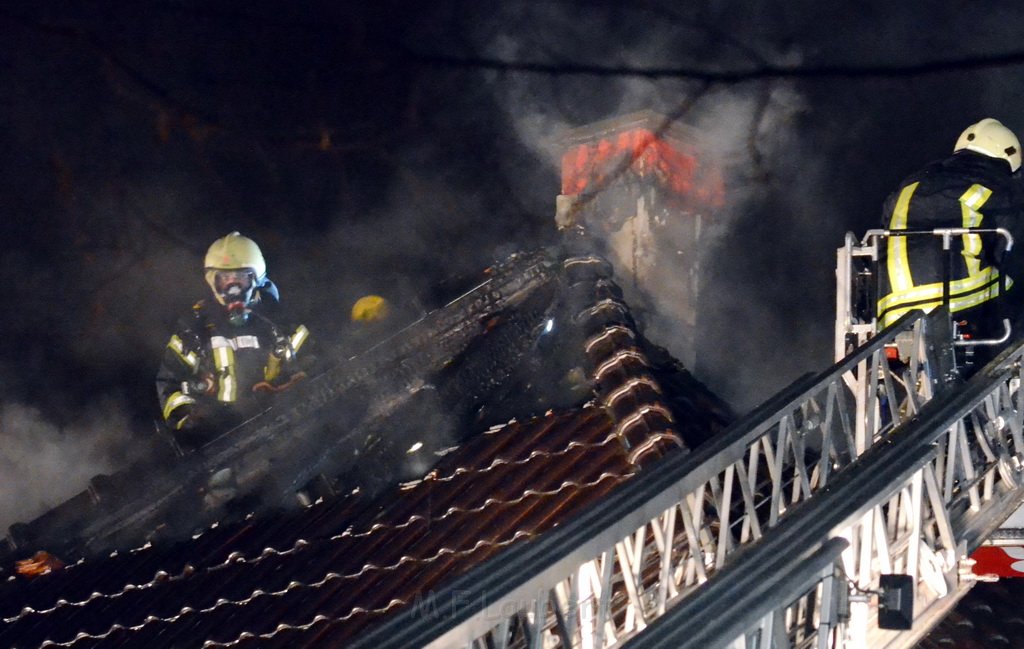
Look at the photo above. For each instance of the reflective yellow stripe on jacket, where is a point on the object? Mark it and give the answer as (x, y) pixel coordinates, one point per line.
(299, 337)
(970, 203)
(273, 367)
(174, 402)
(963, 294)
(189, 358)
(224, 365)
(980, 285)
(898, 265)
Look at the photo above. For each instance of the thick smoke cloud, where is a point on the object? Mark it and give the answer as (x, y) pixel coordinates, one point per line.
(805, 160)
(748, 130)
(41, 464)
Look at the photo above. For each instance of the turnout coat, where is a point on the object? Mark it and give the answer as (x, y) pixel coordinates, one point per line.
(965, 190)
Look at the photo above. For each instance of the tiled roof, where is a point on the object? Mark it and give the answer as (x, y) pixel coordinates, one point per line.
(318, 576)
(298, 578)
(988, 617)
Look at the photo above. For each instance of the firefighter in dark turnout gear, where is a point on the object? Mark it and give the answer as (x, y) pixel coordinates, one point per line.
(229, 353)
(976, 187)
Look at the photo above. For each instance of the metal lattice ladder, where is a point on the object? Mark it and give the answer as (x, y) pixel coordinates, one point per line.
(776, 533)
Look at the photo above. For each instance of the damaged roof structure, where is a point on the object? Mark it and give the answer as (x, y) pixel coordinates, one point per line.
(490, 421)
(382, 484)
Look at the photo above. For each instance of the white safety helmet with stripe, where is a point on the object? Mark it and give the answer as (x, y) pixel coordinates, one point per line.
(234, 268)
(989, 137)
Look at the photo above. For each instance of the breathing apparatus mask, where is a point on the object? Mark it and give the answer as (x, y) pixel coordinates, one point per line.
(234, 289)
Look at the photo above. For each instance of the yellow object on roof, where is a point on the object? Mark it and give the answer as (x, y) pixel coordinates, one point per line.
(370, 308)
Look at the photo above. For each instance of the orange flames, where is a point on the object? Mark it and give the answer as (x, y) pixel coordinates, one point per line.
(639, 151)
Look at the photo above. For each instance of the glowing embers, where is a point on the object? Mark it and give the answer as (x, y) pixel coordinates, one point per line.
(41, 563)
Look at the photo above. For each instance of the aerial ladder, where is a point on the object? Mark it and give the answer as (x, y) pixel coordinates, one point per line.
(842, 512)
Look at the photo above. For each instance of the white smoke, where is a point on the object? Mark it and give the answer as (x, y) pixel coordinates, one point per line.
(751, 133)
(42, 463)
(751, 337)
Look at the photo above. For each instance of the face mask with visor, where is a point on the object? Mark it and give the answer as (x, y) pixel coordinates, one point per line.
(234, 289)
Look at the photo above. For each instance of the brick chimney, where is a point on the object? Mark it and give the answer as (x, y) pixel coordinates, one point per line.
(638, 188)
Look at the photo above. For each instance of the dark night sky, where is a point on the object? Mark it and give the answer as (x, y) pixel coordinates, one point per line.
(381, 147)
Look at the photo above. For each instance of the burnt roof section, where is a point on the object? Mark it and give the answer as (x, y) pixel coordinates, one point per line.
(350, 426)
(318, 576)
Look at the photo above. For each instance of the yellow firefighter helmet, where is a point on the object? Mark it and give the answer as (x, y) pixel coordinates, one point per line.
(370, 308)
(989, 137)
(233, 254)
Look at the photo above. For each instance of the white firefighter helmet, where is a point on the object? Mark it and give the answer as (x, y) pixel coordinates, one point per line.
(989, 137)
(234, 268)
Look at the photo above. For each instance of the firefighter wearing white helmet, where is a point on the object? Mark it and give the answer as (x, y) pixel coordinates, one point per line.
(989, 137)
(230, 352)
(975, 187)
